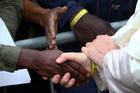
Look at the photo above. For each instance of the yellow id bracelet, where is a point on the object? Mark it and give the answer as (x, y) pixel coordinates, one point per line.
(78, 17)
(94, 69)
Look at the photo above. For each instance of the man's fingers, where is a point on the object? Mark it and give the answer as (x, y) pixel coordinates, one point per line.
(102, 36)
(53, 30)
(60, 60)
(88, 44)
(78, 72)
(54, 20)
(70, 83)
(99, 36)
(64, 9)
(61, 11)
(56, 79)
(65, 57)
(80, 68)
(51, 27)
(51, 42)
(45, 78)
(84, 50)
(65, 79)
(70, 56)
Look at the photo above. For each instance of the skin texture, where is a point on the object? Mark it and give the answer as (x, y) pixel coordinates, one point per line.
(79, 58)
(86, 30)
(50, 21)
(89, 26)
(44, 63)
(97, 49)
(47, 18)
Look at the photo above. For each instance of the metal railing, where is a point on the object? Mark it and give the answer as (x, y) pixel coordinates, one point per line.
(61, 38)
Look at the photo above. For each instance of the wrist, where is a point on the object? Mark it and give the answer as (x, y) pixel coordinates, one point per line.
(94, 69)
(26, 58)
(75, 18)
(74, 14)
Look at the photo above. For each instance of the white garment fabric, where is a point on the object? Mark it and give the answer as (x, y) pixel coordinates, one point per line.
(121, 68)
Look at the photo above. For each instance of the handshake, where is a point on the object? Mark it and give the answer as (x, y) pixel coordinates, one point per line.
(67, 69)
(82, 67)
(93, 52)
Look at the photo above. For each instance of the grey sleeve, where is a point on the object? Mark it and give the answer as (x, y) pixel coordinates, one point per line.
(11, 11)
(9, 57)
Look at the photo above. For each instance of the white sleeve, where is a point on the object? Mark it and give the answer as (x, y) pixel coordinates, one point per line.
(117, 74)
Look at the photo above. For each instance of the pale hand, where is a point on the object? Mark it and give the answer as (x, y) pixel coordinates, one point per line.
(97, 49)
(80, 58)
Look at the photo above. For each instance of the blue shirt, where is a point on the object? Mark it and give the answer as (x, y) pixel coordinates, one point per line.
(109, 10)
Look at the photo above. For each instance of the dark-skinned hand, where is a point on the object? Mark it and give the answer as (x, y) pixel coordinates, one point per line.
(50, 22)
(44, 63)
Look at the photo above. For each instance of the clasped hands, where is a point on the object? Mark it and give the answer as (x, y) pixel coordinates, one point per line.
(95, 51)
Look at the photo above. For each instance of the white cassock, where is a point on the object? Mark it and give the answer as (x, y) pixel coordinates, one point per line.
(121, 68)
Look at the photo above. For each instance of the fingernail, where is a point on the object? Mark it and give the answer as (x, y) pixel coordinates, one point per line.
(67, 76)
(73, 81)
(45, 78)
(57, 77)
(83, 48)
(59, 60)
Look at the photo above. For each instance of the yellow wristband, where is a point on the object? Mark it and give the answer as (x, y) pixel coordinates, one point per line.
(78, 17)
(94, 69)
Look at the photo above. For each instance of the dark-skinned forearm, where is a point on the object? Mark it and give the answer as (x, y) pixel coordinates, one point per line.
(98, 27)
(26, 58)
(33, 12)
(89, 26)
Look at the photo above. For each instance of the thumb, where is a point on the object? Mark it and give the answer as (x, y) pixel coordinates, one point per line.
(64, 57)
(84, 50)
(70, 56)
(62, 11)
(60, 60)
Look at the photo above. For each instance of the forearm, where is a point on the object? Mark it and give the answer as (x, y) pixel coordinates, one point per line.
(33, 12)
(26, 58)
(89, 26)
